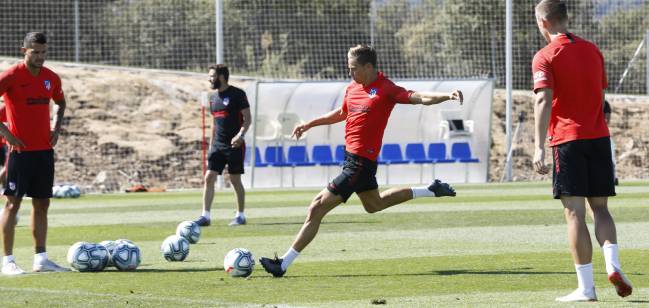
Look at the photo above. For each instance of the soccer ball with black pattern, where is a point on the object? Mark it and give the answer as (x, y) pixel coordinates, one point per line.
(175, 248)
(239, 262)
(87, 257)
(189, 230)
(126, 256)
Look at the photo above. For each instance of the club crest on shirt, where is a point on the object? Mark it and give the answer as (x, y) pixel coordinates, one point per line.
(539, 76)
(48, 85)
(12, 186)
(373, 92)
(226, 101)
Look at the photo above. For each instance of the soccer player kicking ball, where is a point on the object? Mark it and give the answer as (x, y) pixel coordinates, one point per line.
(368, 102)
(28, 88)
(569, 82)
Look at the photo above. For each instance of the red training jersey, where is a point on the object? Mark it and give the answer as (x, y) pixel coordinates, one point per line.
(27, 99)
(3, 119)
(368, 109)
(574, 69)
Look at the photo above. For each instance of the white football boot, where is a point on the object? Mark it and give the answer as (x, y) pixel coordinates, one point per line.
(579, 295)
(12, 269)
(49, 266)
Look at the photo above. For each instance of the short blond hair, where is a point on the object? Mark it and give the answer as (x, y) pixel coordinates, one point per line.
(554, 11)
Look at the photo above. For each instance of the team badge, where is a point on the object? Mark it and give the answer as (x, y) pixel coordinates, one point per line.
(48, 85)
(226, 101)
(12, 186)
(373, 92)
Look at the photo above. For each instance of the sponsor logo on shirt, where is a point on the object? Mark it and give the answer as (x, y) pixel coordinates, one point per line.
(48, 85)
(226, 101)
(358, 108)
(37, 101)
(373, 92)
(539, 76)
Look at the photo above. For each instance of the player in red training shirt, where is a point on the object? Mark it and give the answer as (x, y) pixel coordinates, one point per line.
(369, 100)
(3, 148)
(27, 89)
(569, 82)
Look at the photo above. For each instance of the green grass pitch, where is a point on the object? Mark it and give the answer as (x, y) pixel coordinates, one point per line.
(493, 245)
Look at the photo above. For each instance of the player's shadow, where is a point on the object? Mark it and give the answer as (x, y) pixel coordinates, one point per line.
(456, 272)
(324, 223)
(179, 270)
(519, 271)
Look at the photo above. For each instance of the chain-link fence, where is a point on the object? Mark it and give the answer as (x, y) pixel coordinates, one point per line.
(308, 39)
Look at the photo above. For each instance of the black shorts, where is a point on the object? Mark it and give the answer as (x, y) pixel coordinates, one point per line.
(358, 175)
(583, 168)
(30, 173)
(219, 156)
(3, 154)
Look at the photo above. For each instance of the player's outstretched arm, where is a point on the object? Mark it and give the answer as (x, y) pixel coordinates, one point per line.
(433, 98)
(542, 110)
(332, 117)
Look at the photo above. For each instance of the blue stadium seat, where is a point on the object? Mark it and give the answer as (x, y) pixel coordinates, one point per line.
(461, 151)
(340, 154)
(321, 155)
(297, 156)
(437, 153)
(416, 153)
(391, 154)
(258, 162)
(275, 156)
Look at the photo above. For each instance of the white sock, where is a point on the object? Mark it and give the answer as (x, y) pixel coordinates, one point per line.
(289, 257)
(611, 257)
(206, 214)
(585, 276)
(40, 258)
(8, 259)
(240, 214)
(418, 192)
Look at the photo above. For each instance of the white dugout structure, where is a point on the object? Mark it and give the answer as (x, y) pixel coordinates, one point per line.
(277, 106)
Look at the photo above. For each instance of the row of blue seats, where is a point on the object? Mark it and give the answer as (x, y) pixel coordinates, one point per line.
(390, 154)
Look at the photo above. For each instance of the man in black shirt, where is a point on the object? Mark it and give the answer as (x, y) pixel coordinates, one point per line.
(231, 112)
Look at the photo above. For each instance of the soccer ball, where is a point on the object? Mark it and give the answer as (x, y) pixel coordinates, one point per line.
(239, 262)
(110, 246)
(88, 257)
(189, 230)
(175, 248)
(126, 256)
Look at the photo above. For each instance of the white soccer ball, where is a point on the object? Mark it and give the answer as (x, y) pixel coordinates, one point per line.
(126, 256)
(110, 246)
(175, 248)
(189, 230)
(239, 262)
(87, 257)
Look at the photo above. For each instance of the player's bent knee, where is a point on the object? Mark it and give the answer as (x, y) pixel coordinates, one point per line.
(210, 177)
(12, 208)
(315, 212)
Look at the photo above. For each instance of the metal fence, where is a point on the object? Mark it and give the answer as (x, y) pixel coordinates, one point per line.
(308, 39)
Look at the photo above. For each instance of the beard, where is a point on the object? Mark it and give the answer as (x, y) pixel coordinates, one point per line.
(215, 85)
